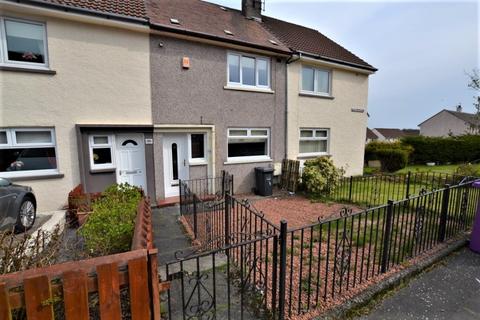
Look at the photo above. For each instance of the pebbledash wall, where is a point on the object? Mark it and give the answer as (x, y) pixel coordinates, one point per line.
(102, 76)
(196, 99)
(346, 128)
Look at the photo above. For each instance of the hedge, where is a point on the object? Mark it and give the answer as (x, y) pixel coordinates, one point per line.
(109, 228)
(444, 149)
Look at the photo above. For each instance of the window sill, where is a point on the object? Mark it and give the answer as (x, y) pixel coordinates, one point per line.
(316, 95)
(27, 69)
(246, 160)
(44, 176)
(313, 155)
(249, 89)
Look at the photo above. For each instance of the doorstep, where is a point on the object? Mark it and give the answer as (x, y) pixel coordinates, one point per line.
(168, 202)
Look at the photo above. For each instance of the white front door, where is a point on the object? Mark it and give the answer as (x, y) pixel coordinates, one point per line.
(175, 162)
(131, 160)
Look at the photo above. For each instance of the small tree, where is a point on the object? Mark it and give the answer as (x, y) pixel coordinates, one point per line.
(475, 85)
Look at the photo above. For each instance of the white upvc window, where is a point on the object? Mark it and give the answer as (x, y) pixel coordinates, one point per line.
(248, 71)
(316, 81)
(23, 43)
(197, 143)
(27, 152)
(314, 142)
(248, 144)
(101, 151)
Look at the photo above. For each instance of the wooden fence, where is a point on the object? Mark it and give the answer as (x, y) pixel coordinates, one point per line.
(290, 175)
(40, 291)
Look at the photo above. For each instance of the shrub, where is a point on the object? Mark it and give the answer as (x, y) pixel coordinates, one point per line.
(320, 177)
(468, 170)
(393, 155)
(392, 159)
(444, 149)
(109, 228)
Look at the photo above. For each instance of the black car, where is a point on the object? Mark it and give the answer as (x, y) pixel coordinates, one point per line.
(18, 206)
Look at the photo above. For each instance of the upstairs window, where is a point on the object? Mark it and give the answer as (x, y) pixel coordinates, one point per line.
(314, 141)
(316, 81)
(248, 71)
(27, 151)
(23, 43)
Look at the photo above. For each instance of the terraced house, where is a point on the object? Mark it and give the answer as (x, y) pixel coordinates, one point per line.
(153, 91)
(75, 98)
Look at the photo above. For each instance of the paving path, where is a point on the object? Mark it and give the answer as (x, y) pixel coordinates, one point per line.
(449, 291)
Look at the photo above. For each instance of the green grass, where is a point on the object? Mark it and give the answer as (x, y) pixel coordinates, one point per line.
(451, 168)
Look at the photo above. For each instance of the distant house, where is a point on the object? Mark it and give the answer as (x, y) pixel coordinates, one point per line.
(449, 123)
(389, 134)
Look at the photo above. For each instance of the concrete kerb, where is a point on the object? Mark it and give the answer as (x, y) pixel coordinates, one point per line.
(393, 281)
(57, 218)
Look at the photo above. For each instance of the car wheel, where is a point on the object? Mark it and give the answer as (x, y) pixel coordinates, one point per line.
(26, 215)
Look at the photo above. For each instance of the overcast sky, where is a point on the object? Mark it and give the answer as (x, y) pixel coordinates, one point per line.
(423, 50)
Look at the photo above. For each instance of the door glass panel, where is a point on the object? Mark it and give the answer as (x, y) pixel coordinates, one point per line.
(175, 161)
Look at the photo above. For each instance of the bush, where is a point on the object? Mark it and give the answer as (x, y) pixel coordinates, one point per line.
(392, 159)
(320, 177)
(393, 155)
(467, 170)
(109, 228)
(444, 150)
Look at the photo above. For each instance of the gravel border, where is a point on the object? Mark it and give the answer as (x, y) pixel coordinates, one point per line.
(395, 280)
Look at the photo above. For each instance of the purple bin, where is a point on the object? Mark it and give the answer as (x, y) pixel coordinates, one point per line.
(475, 238)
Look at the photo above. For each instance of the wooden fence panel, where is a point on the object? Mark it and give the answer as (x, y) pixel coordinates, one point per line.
(75, 295)
(4, 303)
(139, 293)
(109, 292)
(38, 298)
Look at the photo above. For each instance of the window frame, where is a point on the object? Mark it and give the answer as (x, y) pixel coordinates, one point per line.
(266, 157)
(256, 71)
(110, 144)
(4, 61)
(313, 138)
(315, 70)
(12, 144)
(197, 161)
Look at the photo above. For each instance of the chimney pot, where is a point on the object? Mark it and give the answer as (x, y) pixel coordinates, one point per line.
(459, 108)
(252, 9)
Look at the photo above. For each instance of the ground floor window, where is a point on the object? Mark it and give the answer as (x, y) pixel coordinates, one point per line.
(101, 152)
(314, 141)
(25, 151)
(248, 143)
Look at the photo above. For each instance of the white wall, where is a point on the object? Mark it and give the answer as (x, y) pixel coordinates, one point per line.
(103, 77)
(347, 128)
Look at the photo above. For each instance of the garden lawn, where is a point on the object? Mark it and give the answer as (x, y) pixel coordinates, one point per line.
(451, 168)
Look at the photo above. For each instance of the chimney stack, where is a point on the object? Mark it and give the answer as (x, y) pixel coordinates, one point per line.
(459, 108)
(252, 9)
